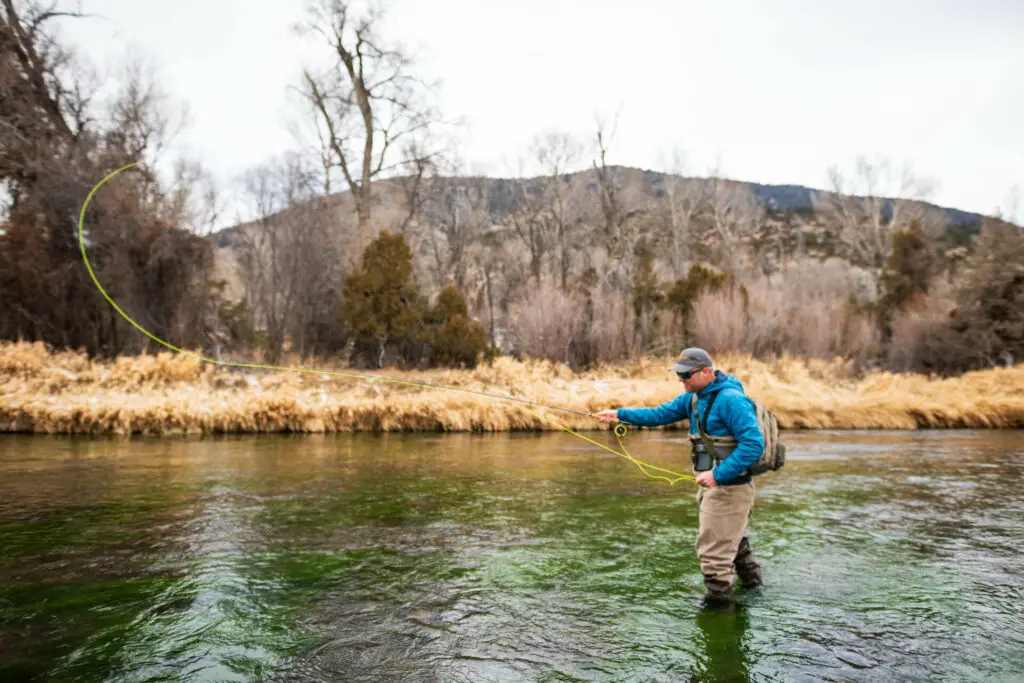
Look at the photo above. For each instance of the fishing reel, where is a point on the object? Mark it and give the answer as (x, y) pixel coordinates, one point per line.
(621, 430)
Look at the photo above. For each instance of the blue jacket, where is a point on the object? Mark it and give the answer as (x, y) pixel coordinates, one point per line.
(732, 413)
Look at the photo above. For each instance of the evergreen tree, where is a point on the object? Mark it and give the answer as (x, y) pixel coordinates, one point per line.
(454, 339)
(912, 264)
(987, 326)
(381, 309)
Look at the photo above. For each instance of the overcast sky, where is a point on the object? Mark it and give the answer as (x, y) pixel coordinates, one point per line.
(777, 91)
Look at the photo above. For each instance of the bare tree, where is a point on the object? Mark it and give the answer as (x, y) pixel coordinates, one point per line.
(557, 152)
(316, 327)
(734, 218)
(618, 226)
(143, 123)
(41, 102)
(411, 185)
(869, 207)
(531, 220)
(608, 192)
(57, 140)
(455, 213)
(144, 119)
(372, 115)
(490, 265)
(684, 200)
(193, 199)
(34, 74)
(281, 254)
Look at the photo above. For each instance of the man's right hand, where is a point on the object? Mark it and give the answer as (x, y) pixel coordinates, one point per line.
(611, 415)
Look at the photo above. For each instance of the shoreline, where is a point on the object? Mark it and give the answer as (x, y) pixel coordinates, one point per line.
(173, 394)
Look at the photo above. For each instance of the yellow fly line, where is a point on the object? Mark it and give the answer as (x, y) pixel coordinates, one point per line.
(619, 431)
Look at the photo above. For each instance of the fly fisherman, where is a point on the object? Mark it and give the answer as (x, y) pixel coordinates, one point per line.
(728, 420)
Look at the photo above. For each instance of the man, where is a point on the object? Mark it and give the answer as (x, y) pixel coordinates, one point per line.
(726, 494)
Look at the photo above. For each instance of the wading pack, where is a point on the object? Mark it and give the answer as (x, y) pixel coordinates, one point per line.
(773, 457)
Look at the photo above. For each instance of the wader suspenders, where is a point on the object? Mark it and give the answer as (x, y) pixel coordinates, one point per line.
(703, 429)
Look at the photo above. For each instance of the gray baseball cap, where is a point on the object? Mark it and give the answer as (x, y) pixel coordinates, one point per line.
(692, 358)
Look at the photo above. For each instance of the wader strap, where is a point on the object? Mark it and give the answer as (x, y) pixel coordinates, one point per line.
(709, 442)
(707, 412)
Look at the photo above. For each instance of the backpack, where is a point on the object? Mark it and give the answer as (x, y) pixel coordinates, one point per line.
(773, 457)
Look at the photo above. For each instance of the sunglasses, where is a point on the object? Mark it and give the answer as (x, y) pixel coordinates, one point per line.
(688, 374)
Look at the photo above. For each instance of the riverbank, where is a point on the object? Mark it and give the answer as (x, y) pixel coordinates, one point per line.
(168, 394)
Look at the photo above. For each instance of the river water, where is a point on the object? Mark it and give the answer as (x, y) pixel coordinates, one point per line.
(525, 557)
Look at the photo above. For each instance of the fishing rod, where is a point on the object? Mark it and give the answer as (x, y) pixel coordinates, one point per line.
(620, 429)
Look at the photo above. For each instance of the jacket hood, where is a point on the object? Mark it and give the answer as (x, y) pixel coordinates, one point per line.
(722, 381)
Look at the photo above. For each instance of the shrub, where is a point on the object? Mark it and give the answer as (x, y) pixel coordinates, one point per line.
(914, 328)
(718, 320)
(811, 308)
(454, 339)
(685, 291)
(546, 322)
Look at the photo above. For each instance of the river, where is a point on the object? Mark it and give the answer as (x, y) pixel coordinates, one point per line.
(523, 557)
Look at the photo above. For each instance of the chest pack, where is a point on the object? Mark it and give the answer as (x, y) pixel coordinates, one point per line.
(772, 458)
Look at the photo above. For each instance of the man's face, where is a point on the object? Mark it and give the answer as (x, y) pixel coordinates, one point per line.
(697, 380)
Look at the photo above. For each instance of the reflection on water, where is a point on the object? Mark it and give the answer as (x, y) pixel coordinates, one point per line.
(888, 556)
(722, 637)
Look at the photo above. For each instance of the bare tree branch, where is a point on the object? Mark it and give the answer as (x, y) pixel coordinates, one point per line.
(368, 104)
(867, 208)
(557, 153)
(455, 214)
(684, 199)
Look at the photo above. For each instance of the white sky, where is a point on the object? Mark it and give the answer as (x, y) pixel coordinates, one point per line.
(776, 90)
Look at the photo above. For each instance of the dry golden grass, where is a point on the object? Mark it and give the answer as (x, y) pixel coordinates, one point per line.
(169, 393)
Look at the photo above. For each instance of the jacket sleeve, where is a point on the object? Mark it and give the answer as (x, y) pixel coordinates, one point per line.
(737, 412)
(671, 411)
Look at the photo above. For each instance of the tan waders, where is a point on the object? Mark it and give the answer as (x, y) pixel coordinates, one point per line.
(722, 541)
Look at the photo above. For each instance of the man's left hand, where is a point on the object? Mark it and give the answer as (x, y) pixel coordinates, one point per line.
(707, 479)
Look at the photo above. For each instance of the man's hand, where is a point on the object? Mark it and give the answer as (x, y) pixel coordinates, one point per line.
(608, 415)
(707, 479)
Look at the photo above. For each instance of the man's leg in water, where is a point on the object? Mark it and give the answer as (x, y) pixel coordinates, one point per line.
(724, 511)
(747, 566)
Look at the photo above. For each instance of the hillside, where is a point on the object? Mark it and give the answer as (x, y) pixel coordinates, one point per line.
(638, 188)
(611, 263)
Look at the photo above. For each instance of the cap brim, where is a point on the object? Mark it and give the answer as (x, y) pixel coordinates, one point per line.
(680, 367)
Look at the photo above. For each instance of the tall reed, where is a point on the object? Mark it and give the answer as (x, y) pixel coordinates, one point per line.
(166, 393)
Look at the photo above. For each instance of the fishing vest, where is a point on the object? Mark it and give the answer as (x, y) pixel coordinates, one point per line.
(714, 449)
